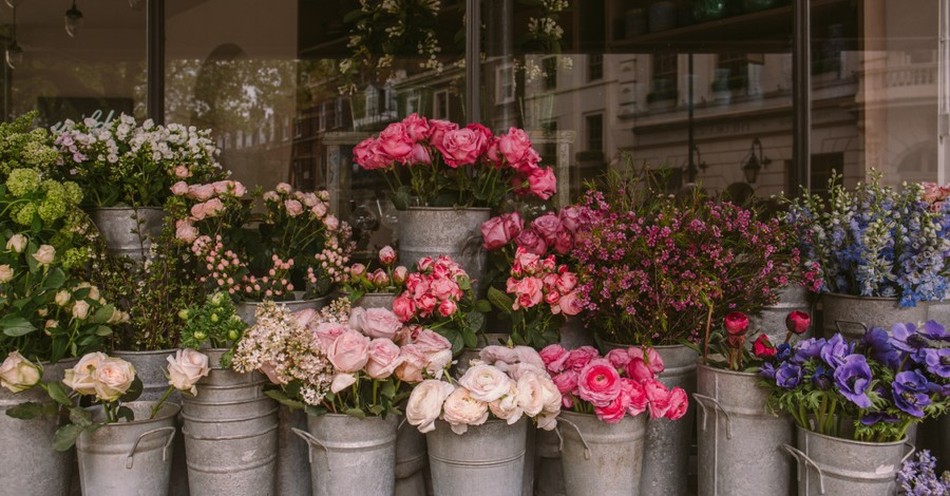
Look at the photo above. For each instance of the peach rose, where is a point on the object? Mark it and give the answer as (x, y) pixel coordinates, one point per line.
(113, 377)
(425, 403)
(349, 352)
(17, 373)
(461, 410)
(185, 368)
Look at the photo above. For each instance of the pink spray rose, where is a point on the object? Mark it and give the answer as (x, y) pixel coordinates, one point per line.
(375, 322)
(185, 231)
(180, 188)
(387, 255)
(294, 207)
(542, 183)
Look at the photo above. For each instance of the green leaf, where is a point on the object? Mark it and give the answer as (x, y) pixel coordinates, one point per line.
(483, 306)
(134, 391)
(65, 437)
(282, 398)
(456, 339)
(401, 198)
(54, 279)
(389, 389)
(475, 321)
(31, 410)
(16, 326)
(501, 300)
(465, 284)
(126, 413)
(377, 409)
(471, 340)
(356, 412)
(80, 416)
(102, 315)
(57, 391)
(103, 331)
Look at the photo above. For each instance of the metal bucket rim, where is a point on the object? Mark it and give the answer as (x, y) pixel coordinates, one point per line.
(854, 297)
(282, 302)
(119, 209)
(807, 432)
(168, 351)
(378, 293)
(176, 408)
(447, 209)
(716, 370)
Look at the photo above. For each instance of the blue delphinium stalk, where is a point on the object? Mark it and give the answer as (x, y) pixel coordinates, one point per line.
(918, 477)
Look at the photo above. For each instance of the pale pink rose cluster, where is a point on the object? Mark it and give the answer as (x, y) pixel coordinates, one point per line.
(624, 382)
(284, 200)
(434, 290)
(419, 141)
(95, 374)
(222, 267)
(387, 278)
(935, 195)
(210, 201)
(534, 281)
(507, 383)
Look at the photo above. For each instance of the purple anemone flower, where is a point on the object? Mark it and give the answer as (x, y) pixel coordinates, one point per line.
(935, 331)
(835, 350)
(807, 349)
(904, 337)
(910, 392)
(788, 375)
(853, 377)
(937, 361)
(877, 340)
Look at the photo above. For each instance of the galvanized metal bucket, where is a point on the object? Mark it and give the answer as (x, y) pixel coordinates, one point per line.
(854, 315)
(548, 473)
(36, 469)
(411, 461)
(376, 300)
(771, 319)
(601, 458)
(293, 468)
(351, 456)
(129, 458)
(150, 368)
(431, 231)
(735, 432)
(574, 334)
(230, 434)
(129, 231)
(487, 459)
(247, 310)
(939, 310)
(832, 466)
(666, 454)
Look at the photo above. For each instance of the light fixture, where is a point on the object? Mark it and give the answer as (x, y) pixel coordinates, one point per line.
(73, 19)
(752, 164)
(13, 3)
(13, 55)
(136, 5)
(694, 167)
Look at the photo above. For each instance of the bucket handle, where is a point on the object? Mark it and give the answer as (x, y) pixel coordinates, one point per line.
(909, 452)
(702, 399)
(306, 436)
(135, 445)
(839, 322)
(803, 458)
(579, 433)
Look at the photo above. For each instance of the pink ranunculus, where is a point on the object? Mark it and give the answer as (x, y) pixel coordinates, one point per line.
(638, 370)
(417, 128)
(375, 322)
(532, 242)
(546, 226)
(349, 352)
(654, 360)
(566, 382)
(395, 143)
(404, 308)
(412, 363)
(485, 382)
(659, 397)
(614, 411)
(514, 144)
(542, 183)
(529, 356)
(636, 396)
(528, 292)
(383, 358)
(425, 403)
(326, 333)
(461, 146)
(563, 241)
(294, 207)
(507, 408)
(618, 358)
(447, 308)
(499, 355)
(180, 188)
(461, 410)
(578, 358)
(679, 403)
(438, 128)
(443, 289)
(570, 304)
(185, 231)
(387, 255)
(598, 382)
(554, 357)
(499, 231)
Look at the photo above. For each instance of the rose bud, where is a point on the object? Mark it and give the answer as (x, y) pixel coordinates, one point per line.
(763, 348)
(399, 274)
(737, 323)
(379, 278)
(387, 255)
(357, 270)
(797, 322)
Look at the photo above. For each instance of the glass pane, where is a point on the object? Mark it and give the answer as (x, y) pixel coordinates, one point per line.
(97, 71)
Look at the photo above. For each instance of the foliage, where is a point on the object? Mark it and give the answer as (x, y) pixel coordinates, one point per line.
(213, 324)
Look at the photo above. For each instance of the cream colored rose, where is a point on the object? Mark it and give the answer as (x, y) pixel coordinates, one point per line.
(113, 377)
(81, 310)
(506, 407)
(62, 297)
(185, 368)
(17, 243)
(6, 273)
(18, 374)
(341, 382)
(437, 362)
(546, 421)
(461, 410)
(45, 254)
(80, 377)
(552, 396)
(485, 382)
(425, 403)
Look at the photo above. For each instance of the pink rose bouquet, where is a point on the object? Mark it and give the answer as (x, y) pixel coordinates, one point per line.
(624, 382)
(294, 246)
(387, 278)
(504, 383)
(432, 162)
(439, 296)
(340, 360)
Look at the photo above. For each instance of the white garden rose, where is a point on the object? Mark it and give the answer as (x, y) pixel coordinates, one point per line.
(185, 368)
(486, 382)
(17, 243)
(425, 403)
(461, 410)
(113, 377)
(45, 254)
(62, 297)
(18, 374)
(506, 407)
(6, 273)
(80, 378)
(81, 310)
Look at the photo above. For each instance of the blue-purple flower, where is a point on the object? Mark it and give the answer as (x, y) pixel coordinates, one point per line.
(935, 331)
(835, 350)
(853, 377)
(877, 341)
(807, 349)
(937, 361)
(788, 375)
(782, 352)
(904, 337)
(822, 377)
(767, 370)
(910, 392)
(872, 418)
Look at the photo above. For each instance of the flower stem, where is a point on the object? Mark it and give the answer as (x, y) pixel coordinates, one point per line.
(161, 401)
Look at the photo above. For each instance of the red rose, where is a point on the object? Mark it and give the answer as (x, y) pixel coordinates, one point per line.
(737, 323)
(762, 347)
(797, 322)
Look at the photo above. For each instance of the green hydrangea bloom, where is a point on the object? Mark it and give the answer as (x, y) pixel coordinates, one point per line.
(23, 182)
(25, 215)
(73, 192)
(36, 153)
(52, 208)
(75, 257)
